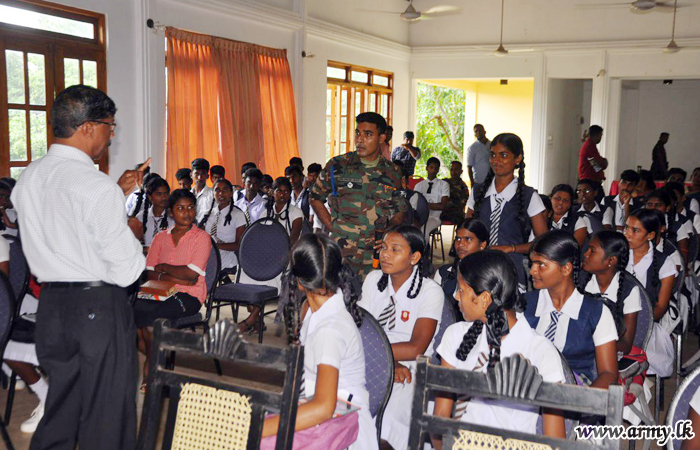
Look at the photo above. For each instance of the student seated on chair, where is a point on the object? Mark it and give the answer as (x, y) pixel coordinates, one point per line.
(489, 299)
(471, 236)
(334, 359)
(436, 191)
(579, 325)
(408, 305)
(179, 255)
(249, 199)
(459, 194)
(586, 191)
(225, 223)
(150, 213)
(563, 215)
(283, 210)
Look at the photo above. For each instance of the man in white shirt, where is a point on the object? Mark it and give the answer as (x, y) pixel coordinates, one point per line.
(436, 191)
(478, 161)
(77, 242)
(204, 194)
(249, 199)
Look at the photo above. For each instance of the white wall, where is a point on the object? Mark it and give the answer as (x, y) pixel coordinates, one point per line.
(649, 108)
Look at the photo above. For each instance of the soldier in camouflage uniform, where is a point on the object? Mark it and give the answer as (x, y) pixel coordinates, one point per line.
(363, 190)
(459, 194)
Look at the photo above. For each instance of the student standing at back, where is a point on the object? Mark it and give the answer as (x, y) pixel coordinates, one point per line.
(590, 164)
(478, 158)
(203, 193)
(509, 208)
(436, 191)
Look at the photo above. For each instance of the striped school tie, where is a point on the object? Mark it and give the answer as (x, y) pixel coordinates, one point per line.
(302, 386)
(247, 214)
(215, 227)
(495, 222)
(552, 328)
(388, 316)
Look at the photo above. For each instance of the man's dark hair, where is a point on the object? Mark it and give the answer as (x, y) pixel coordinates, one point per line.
(595, 130)
(218, 170)
(9, 180)
(183, 174)
(293, 170)
(629, 176)
(314, 168)
(254, 173)
(200, 164)
(246, 166)
(648, 178)
(372, 117)
(409, 135)
(672, 187)
(664, 134)
(76, 105)
(296, 161)
(679, 171)
(267, 179)
(459, 163)
(432, 160)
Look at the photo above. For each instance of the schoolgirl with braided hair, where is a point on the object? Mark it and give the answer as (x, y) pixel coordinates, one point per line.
(606, 261)
(151, 211)
(509, 208)
(471, 236)
(321, 291)
(564, 216)
(488, 300)
(409, 306)
(283, 210)
(225, 223)
(672, 231)
(579, 325)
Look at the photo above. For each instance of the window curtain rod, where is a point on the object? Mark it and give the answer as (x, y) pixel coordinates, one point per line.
(155, 26)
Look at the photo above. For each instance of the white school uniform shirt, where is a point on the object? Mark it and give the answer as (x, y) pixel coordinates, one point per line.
(604, 332)
(520, 340)
(225, 233)
(685, 230)
(675, 257)
(153, 225)
(608, 216)
(256, 208)
(695, 401)
(131, 200)
(296, 200)
(618, 212)
(4, 249)
(639, 270)
(204, 199)
(533, 208)
(427, 305)
(330, 337)
(695, 205)
(12, 215)
(290, 212)
(556, 225)
(633, 302)
(440, 189)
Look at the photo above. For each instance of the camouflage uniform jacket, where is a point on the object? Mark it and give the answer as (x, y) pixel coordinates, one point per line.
(361, 196)
(459, 194)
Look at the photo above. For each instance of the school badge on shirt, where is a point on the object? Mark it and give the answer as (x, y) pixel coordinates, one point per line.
(405, 315)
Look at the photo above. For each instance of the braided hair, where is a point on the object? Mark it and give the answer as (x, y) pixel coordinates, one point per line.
(317, 265)
(561, 247)
(651, 221)
(416, 242)
(227, 219)
(614, 244)
(494, 272)
(278, 183)
(151, 187)
(515, 146)
(479, 229)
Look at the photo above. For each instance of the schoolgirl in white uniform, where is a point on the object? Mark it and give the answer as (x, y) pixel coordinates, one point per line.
(563, 215)
(657, 273)
(150, 211)
(408, 305)
(283, 210)
(488, 299)
(334, 359)
(586, 191)
(580, 326)
(225, 223)
(606, 262)
(513, 209)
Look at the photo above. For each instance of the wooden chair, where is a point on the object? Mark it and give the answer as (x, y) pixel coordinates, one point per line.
(513, 380)
(208, 411)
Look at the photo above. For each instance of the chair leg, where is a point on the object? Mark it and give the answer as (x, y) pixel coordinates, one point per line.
(6, 436)
(261, 323)
(218, 310)
(679, 355)
(217, 364)
(442, 246)
(234, 310)
(10, 397)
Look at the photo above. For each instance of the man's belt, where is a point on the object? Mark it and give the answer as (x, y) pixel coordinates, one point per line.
(74, 284)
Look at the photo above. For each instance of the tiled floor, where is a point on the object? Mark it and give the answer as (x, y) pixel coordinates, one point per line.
(25, 401)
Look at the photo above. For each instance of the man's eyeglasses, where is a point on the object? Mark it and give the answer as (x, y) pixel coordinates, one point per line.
(112, 125)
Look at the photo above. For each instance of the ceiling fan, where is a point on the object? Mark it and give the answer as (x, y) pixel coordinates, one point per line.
(637, 6)
(501, 51)
(411, 14)
(672, 47)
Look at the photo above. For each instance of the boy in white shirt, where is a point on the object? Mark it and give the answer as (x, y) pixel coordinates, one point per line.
(436, 191)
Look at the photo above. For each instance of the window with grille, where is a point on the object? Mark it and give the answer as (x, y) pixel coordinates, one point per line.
(352, 90)
(43, 49)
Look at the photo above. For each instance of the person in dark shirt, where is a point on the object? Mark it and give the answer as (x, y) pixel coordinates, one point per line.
(459, 194)
(659, 162)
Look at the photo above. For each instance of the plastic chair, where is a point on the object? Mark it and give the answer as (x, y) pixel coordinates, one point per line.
(645, 318)
(435, 237)
(680, 405)
(448, 317)
(262, 255)
(7, 313)
(222, 408)
(422, 210)
(379, 367)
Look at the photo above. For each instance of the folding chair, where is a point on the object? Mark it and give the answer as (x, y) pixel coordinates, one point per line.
(680, 405)
(7, 313)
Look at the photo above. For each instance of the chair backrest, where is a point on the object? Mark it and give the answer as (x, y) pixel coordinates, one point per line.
(693, 246)
(7, 310)
(379, 366)
(422, 209)
(571, 420)
(680, 278)
(212, 275)
(513, 380)
(264, 250)
(645, 318)
(680, 405)
(449, 316)
(19, 270)
(224, 398)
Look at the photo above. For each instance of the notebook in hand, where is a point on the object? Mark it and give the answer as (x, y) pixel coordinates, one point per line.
(157, 290)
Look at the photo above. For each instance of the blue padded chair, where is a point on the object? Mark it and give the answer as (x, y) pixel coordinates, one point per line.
(680, 405)
(379, 367)
(211, 276)
(645, 318)
(262, 255)
(19, 281)
(7, 313)
(422, 211)
(448, 317)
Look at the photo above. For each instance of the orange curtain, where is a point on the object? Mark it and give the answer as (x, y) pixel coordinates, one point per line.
(229, 102)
